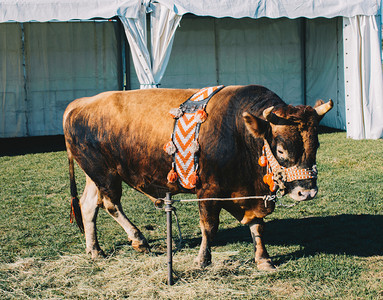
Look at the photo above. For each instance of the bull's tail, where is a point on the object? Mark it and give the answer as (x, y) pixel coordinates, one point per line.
(75, 212)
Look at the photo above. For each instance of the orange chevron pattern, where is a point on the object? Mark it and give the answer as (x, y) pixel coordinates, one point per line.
(204, 93)
(184, 158)
(184, 135)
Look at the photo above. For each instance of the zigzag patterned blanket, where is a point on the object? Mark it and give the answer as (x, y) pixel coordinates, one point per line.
(184, 145)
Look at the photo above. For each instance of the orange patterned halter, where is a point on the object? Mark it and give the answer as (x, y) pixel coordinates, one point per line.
(277, 174)
(184, 145)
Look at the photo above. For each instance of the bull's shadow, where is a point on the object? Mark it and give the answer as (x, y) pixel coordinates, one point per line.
(359, 235)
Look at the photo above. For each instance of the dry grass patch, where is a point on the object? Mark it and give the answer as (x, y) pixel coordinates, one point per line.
(373, 275)
(127, 275)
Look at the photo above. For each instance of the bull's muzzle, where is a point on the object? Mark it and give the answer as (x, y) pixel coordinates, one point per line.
(300, 193)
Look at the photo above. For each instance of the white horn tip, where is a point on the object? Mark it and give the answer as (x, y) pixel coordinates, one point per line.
(267, 112)
(324, 108)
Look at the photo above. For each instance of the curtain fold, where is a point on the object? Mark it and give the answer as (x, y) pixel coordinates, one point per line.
(135, 30)
(363, 77)
(163, 23)
(150, 66)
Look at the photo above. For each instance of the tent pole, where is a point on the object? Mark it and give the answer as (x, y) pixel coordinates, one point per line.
(120, 53)
(25, 78)
(303, 60)
(127, 64)
(168, 210)
(216, 50)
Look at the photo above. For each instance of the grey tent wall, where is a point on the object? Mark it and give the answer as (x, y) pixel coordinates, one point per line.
(54, 64)
(299, 59)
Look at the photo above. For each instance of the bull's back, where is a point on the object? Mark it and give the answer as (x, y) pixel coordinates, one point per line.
(123, 132)
(126, 110)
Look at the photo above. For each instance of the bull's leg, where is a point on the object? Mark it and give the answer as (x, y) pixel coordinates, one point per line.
(89, 210)
(262, 258)
(209, 221)
(111, 203)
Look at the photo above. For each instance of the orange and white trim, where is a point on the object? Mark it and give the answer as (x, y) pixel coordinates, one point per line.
(188, 117)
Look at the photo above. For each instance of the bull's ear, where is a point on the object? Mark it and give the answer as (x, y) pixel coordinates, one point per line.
(254, 125)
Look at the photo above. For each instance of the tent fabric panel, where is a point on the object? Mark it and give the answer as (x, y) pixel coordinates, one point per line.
(12, 94)
(64, 61)
(363, 77)
(192, 63)
(274, 9)
(324, 67)
(207, 51)
(264, 52)
(49, 10)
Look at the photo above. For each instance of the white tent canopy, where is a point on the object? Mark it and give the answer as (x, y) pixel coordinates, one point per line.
(275, 8)
(58, 10)
(362, 90)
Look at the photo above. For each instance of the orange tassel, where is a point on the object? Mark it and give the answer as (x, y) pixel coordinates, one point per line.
(193, 178)
(201, 116)
(71, 217)
(262, 161)
(176, 113)
(172, 176)
(272, 186)
(170, 148)
(267, 178)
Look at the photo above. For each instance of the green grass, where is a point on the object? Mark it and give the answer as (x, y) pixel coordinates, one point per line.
(328, 248)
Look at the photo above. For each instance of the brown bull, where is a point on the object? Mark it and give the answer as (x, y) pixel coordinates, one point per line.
(119, 136)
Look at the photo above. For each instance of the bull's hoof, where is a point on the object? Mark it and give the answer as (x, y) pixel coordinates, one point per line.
(96, 253)
(265, 264)
(202, 262)
(141, 246)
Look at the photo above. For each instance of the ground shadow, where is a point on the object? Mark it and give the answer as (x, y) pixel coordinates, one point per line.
(325, 129)
(358, 235)
(27, 145)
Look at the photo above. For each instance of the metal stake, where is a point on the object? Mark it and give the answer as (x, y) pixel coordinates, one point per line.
(168, 209)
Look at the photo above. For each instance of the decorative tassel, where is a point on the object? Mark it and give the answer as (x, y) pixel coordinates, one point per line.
(200, 116)
(75, 213)
(268, 179)
(262, 161)
(72, 214)
(194, 147)
(272, 186)
(172, 176)
(193, 178)
(170, 148)
(176, 113)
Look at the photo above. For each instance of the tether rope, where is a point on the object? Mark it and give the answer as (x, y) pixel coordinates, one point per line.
(266, 197)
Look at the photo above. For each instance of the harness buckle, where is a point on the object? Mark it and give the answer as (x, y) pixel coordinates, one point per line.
(268, 198)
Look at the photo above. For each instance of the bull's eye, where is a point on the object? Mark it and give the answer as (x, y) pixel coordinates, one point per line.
(281, 152)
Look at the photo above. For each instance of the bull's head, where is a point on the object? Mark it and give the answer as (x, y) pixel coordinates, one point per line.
(290, 136)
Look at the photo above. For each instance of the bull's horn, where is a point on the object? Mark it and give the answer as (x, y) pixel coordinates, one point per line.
(267, 113)
(324, 108)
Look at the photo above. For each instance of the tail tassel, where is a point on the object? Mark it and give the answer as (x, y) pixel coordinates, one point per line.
(75, 213)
